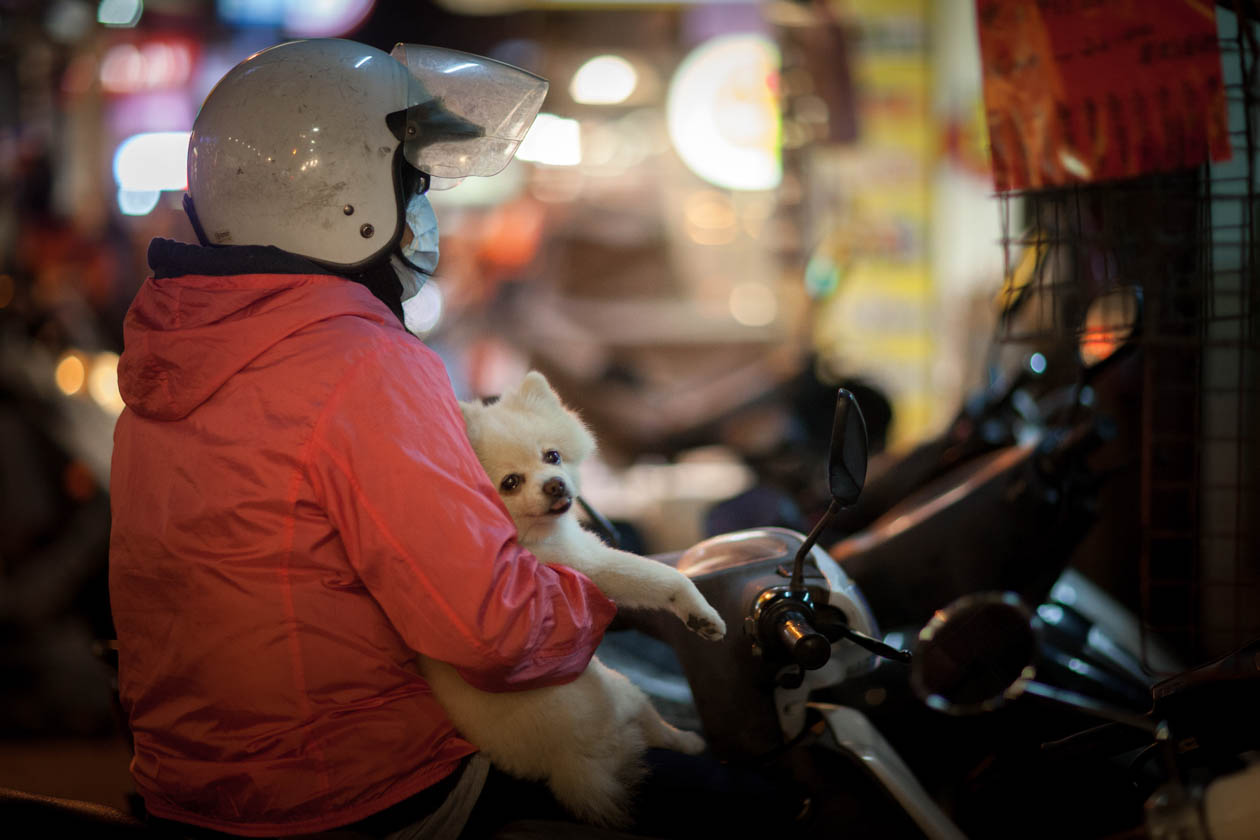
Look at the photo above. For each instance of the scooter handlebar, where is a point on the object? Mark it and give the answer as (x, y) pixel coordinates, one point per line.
(807, 647)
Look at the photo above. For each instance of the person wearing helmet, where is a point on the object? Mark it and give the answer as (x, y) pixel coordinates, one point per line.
(296, 507)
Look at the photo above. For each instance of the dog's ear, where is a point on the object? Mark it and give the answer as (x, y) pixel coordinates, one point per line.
(535, 391)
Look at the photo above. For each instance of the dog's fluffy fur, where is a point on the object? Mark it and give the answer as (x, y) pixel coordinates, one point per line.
(585, 739)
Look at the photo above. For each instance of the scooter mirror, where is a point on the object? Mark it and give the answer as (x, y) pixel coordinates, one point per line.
(976, 654)
(1110, 323)
(846, 465)
(846, 473)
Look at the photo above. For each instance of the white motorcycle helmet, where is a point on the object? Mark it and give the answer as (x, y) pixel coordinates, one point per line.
(301, 146)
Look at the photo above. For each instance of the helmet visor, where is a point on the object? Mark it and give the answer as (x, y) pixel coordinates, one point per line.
(470, 113)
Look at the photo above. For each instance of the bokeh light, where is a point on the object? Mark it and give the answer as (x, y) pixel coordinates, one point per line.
(604, 80)
(102, 383)
(302, 18)
(146, 164)
(119, 13)
(552, 141)
(127, 68)
(723, 115)
(753, 304)
(70, 373)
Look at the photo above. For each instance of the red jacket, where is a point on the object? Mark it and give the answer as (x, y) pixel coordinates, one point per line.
(296, 509)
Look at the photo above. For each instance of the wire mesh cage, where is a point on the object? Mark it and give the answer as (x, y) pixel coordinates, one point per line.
(1187, 240)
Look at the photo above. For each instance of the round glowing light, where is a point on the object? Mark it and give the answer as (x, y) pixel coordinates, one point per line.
(153, 161)
(138, 202)
(127, 68)
(68, 20)
(121, 13)
(70, 374)
(423, 310)
(604, 80)
(822, 276)
(722, 112)
(324, 18)
(1037, 363)
(753, 304)
(553, 141)
(102, 383)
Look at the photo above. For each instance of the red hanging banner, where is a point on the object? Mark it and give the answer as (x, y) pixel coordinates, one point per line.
(1090, 90)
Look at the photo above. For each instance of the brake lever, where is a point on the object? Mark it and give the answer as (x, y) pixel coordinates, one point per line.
(832, 624)
(875, 646)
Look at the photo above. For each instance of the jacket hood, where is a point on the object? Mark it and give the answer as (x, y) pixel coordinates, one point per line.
(207, 312)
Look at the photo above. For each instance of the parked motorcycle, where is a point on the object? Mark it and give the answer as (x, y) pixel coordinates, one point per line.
(1182, 757)
(798, 623)
(1008, 518)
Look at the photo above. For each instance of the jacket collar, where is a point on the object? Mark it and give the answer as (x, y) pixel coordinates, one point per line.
(169, 258)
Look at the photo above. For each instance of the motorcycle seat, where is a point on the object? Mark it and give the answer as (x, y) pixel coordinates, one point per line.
(51, 816)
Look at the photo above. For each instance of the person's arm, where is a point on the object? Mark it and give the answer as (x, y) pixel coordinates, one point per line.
(430, 538)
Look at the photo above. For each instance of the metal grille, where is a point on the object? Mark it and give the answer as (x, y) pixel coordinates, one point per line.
(1189, 240)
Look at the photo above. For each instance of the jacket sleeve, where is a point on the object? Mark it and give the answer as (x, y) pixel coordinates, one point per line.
(430, 538)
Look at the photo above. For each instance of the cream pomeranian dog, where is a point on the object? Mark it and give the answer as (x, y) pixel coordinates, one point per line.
(586, 738)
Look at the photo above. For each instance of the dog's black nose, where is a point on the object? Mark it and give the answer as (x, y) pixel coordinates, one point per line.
(555, 488)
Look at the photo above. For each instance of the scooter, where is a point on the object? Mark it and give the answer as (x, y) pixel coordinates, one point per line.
(798, 623)
(1180, 761)
(812, 670)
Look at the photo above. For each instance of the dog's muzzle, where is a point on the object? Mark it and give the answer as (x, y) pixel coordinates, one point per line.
(558, 496)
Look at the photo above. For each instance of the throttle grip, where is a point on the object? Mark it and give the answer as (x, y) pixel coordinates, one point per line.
(807, 647)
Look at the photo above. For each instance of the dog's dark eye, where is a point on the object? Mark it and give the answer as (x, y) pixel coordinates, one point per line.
(551, 456)
(510, 482)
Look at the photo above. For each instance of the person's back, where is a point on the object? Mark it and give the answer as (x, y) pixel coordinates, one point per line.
(296, 512)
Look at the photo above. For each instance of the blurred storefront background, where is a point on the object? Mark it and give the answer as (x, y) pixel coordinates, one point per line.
(725, 210)
(717, 198)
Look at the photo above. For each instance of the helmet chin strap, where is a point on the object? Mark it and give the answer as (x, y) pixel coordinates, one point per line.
(191, 212)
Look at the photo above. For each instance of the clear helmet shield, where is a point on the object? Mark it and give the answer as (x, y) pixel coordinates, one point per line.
(471, 113)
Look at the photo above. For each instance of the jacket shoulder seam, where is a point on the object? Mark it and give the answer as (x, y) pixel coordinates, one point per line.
(316, 442)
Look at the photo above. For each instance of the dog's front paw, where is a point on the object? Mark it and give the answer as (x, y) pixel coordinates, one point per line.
(706, 623)
(686, 602)
(688, 743)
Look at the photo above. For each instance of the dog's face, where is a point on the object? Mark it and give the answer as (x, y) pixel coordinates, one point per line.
(530, 446)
